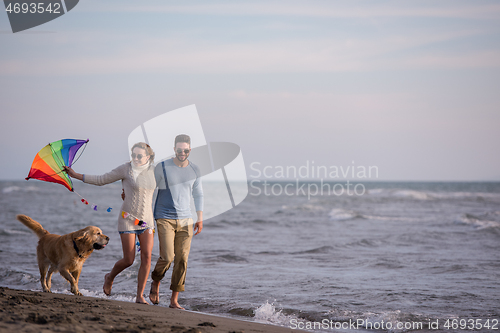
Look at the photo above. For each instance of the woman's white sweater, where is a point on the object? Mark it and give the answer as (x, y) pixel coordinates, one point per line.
(138, 201)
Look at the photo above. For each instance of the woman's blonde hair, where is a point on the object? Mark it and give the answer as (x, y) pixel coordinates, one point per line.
(147, 148)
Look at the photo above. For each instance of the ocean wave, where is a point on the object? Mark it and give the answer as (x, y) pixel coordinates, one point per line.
(394, 320)
(430, 195)
(243, 312)
(272, 253)
(322, 249)
(476, 196)
(364, 243)
(267, 314)
(388, 264)
(11, 189)
(229, 258)
(16, 279)
(7, 232)
(483, 221)
(400, 193)
(338, 214)
(311, 207)
(261, 221)
(334, 320)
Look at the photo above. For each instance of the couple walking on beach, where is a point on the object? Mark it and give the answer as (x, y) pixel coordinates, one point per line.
(177, 180)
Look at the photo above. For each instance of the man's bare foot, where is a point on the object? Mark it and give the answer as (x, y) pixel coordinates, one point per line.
(176, 306)
(108, 284)
(154, 295)
(141, 300)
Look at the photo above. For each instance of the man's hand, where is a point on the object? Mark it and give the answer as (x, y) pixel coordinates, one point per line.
(197, 227)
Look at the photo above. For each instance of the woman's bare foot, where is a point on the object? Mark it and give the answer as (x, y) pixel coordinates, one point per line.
(108, 284)
(141, 300)
(154, 295)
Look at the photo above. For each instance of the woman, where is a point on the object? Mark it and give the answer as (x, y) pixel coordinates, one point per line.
(136, 215)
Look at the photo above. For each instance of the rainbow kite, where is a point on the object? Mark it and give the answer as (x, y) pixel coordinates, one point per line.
(49, 162)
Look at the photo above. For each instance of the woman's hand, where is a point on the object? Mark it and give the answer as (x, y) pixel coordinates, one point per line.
(72, 173)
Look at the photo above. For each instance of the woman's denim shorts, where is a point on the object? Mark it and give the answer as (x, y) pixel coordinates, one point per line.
(137, 232)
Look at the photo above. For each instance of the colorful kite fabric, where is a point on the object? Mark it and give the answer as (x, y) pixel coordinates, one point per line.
(48, 163)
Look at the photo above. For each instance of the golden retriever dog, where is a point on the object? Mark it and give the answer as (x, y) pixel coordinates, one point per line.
(64, 254)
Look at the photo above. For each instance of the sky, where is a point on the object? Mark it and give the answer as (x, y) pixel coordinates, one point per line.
(408, 87)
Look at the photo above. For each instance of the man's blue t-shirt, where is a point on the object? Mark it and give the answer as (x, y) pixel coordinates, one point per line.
(176, 186)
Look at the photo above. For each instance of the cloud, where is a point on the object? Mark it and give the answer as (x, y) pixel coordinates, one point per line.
(269, 46)
(318, 9)
(180, 55)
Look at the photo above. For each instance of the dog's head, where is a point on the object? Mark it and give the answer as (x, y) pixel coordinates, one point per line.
(91, 238)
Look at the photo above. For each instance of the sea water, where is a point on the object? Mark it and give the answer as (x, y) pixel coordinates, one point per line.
(399, 257)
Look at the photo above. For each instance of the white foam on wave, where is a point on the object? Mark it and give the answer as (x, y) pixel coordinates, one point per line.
(11, 189)
(412, 194)
(310, 207)
(28, 278)
(97, 294)
(16, 232)
(478, 222)
(267, 314)
(116, 297)
(390, 218)
(428, 195)
(338, 214)
(400, 193)
(392, 322)
(468, 195)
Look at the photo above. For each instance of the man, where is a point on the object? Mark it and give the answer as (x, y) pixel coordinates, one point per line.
(177, 180)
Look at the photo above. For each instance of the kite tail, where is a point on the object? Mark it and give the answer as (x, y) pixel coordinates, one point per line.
(33, 225)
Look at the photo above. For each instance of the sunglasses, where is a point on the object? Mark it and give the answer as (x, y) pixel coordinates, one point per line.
(139, 156)
(179, 151)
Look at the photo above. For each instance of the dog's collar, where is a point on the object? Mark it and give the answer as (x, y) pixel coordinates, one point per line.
(76, 249)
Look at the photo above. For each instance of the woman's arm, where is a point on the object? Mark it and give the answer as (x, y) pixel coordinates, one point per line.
(107, 178)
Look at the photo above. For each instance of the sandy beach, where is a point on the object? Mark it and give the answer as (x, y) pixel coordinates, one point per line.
(29, 311)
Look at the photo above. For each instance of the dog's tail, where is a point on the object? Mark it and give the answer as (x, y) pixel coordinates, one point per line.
(33, 225)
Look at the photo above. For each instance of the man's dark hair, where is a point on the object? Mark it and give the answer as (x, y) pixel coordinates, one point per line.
(182, 138)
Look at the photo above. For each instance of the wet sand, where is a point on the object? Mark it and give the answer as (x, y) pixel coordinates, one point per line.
(31, 311)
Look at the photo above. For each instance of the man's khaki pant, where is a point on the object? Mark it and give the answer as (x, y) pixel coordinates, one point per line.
(175, 242)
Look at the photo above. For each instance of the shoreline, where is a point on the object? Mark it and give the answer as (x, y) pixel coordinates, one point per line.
(33, 311)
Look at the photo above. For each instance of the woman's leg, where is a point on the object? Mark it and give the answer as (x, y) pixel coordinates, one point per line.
(128, 247)
(146, 239)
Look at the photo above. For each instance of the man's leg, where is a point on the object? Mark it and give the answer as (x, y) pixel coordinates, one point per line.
(182, 245)
(166, 235)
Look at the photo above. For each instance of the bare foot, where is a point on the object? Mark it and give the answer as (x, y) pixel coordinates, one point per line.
(141, 300)
(176, 306)
(108, 284)
(154, 296)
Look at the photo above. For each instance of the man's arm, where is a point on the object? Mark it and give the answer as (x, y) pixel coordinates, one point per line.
(198, 203)
(159, 175)
(198, 226)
